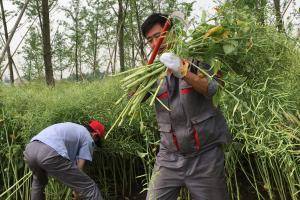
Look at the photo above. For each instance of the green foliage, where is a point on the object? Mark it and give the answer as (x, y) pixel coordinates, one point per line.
(28, 109)
(61, 53)
(34, 8)
(262, 107)
(33, 56)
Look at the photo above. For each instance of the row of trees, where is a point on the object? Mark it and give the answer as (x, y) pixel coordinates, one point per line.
(97, 34)
(92, 31)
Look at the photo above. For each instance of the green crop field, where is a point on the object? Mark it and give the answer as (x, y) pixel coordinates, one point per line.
(260, 101)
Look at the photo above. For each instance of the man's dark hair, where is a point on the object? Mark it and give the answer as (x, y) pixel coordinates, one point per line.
(88, 128)
(155, 18)
(99, 141)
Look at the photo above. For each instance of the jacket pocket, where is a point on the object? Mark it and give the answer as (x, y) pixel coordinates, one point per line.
(204, 129)
(204, 116)
(167, 137)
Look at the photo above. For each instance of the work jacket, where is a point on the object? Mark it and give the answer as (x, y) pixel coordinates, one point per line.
(192, 123)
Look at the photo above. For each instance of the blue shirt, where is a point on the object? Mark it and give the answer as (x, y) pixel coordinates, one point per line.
(70, 140)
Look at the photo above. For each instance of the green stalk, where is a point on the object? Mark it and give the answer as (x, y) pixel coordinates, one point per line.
(121, 99)
(156, 91)
(144, 70)
(160, 102)
(157, 71)
(127, 71)
(146, 88)
(118, 119)
(26, 176)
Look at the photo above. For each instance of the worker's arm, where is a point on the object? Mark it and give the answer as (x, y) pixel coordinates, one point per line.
(199, 83)
(80, 163)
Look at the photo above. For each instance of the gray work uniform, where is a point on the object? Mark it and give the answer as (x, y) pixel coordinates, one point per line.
(190, 148)
(53, 152)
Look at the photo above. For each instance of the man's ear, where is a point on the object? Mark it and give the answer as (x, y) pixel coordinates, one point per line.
(93, 134)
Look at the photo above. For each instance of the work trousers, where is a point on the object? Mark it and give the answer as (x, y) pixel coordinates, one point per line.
(203, 175)
(45, 161)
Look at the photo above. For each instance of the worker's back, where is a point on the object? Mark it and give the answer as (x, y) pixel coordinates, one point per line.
(67, 139)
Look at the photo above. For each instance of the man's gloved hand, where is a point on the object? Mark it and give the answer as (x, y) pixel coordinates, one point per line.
(178, 67)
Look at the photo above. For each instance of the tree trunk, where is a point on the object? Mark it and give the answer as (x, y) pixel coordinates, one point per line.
(46, 44)
(113, 67)
(38, 10)
(279, 21)
(95, 48)
(76, 41)
(121, 35)
(12, 32)
(15, 66)
(142, 53)
(76, 54)
(11, 72)
(132, 38)
(29, 73)
(61, 68)
(80, 62)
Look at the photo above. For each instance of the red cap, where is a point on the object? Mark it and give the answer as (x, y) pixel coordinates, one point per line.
(97, 127)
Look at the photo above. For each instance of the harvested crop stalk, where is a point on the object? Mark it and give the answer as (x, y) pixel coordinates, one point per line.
(156, 91)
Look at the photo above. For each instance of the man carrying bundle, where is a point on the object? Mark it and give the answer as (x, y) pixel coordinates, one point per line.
(192, 132)
(61, 151)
